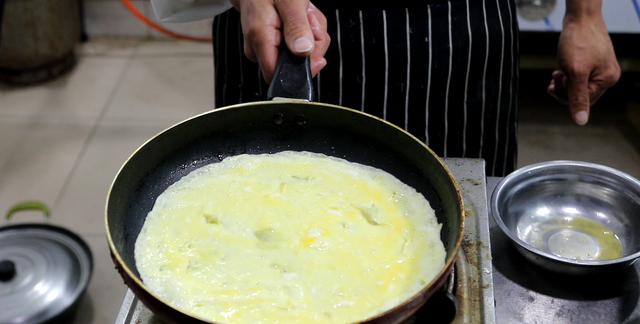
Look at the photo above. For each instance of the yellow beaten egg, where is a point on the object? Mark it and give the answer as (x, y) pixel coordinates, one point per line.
(293, 237)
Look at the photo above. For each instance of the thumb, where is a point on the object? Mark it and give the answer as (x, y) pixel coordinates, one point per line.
(578, 98)
(297, 31)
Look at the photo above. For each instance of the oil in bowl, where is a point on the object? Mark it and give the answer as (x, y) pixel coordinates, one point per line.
(571, 237)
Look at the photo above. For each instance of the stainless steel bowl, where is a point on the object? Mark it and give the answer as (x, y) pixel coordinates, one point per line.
(568, 216)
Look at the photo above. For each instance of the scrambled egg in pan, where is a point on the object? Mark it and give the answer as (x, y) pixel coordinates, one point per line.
(293, 237)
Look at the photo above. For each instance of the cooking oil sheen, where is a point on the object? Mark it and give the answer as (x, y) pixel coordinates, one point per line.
(574, 238)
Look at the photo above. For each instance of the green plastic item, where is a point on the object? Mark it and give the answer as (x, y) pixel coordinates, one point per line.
(29, 205)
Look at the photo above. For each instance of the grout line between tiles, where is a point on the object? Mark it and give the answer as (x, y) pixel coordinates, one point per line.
(94, 128)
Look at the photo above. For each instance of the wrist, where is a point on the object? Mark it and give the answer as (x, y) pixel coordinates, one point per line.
(583, 11)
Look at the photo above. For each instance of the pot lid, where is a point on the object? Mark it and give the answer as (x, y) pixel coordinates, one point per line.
(43, 271)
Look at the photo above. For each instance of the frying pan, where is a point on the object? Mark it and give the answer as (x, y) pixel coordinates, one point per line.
(269, 127)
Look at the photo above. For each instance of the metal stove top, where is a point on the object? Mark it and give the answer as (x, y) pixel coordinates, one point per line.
(473, 281)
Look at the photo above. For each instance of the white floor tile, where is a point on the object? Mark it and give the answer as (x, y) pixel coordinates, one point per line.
(82, 206)
(40, 161)
(111, 46)
(168, 88)
(80, 94)
(173, 47)
(11, 132)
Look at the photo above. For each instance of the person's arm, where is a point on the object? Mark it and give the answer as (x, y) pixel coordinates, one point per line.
(588, 63)
(265, 22)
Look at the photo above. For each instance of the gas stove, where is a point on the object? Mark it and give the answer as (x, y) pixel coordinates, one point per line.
(471, 282)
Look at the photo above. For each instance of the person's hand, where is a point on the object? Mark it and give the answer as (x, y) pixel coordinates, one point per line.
(588, 65)
(264, 22)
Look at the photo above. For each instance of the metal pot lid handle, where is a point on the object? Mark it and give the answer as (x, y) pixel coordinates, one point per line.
(7, 270)
(292, 78)
(29, 205)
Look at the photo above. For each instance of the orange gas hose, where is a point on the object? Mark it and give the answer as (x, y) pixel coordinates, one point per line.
(161, 29)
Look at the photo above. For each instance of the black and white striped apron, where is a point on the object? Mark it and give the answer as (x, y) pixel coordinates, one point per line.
(447, 71)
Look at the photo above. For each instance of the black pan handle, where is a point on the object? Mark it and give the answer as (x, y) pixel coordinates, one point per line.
(292, 78)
